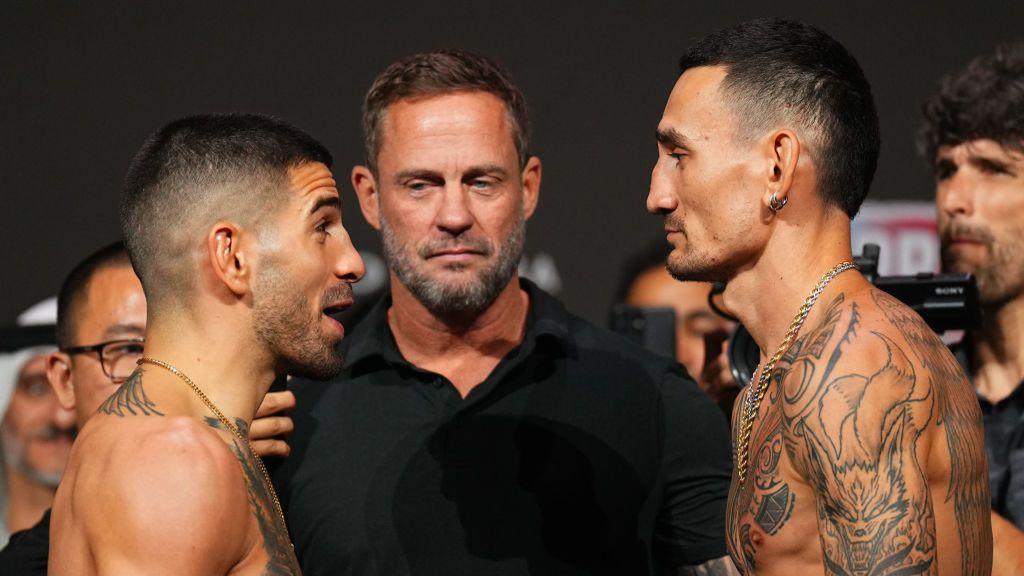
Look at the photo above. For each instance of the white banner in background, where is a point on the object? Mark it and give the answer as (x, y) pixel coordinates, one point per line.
(906, 233)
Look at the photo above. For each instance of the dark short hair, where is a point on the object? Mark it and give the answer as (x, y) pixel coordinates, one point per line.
(780, 70)
(442, 72)
(984, 100)
(72, 296)
(199, 169)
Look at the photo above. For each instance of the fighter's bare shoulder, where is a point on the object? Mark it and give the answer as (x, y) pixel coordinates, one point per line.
(867, 334)
(170, 494)
(874, 404)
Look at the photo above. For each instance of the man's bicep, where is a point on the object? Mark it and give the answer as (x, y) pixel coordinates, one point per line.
(696, 469)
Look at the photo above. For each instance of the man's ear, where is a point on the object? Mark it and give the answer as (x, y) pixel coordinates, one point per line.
(531, 185)
(782, 149)
(365, 185)
(58, 372)
(230, 261)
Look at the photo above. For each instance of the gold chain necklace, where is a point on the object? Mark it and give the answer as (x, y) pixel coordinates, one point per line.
(754, 396)
(231, 427)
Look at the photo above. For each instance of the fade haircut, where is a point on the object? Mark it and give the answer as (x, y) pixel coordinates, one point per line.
(983, 101)
(72, 296)
(442, 72)
(783, 71)
(196, 171)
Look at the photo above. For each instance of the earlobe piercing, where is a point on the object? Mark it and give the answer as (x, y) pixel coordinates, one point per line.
(775, 204)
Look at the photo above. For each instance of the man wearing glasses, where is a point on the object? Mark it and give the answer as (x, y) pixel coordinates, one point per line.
(101, 315)
(101, 319)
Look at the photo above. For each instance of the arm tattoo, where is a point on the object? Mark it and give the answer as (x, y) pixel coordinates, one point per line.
(851, 430)
(276, 543)
(130, 398)
(958, 413)
(718, 567)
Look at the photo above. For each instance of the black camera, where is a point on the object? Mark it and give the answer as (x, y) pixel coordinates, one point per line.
(944, 301)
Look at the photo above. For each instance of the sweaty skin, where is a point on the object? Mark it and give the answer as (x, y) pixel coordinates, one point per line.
(869, 438)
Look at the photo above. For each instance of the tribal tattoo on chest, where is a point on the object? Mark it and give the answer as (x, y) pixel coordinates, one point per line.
(850, 428)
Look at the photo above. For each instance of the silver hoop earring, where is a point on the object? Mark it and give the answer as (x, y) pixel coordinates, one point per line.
(775, 204)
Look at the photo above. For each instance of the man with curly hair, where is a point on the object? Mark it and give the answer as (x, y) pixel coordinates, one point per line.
(974, 136)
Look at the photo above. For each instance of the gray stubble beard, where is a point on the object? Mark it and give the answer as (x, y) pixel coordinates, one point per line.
(469, 299)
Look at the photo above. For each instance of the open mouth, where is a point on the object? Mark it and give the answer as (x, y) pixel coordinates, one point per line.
(337, 311)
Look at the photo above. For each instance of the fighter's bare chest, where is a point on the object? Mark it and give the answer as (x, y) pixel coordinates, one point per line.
(771, 517)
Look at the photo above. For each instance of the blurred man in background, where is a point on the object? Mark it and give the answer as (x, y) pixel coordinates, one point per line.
(974, 137)
(101, 316)
(35, 432)
(701, 334)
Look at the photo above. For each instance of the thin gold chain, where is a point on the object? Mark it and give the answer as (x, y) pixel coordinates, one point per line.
(754, 396)
(231, 427)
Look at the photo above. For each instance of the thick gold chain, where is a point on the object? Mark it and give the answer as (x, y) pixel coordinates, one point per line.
(752, 403)
(231, 427)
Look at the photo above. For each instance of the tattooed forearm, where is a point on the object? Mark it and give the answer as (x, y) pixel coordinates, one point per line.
(130, 398)
(718, 567)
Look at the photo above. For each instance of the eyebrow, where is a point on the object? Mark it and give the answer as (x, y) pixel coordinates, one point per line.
(119, 329)
(486, 170)
(989, 163)
(672, 138)
(434, 176)
(421, 173)
(326, 201)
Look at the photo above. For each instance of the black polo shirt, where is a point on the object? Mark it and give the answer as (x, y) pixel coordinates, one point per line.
(581, 453)
(1004, 445)
(26, 552)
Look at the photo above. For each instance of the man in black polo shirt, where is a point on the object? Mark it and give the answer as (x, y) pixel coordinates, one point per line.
(479, 427)
(974, 137)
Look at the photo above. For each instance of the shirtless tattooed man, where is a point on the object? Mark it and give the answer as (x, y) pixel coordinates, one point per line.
(233, 225)
(858, 443)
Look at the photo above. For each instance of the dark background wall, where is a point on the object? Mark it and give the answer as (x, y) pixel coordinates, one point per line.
(81, 87)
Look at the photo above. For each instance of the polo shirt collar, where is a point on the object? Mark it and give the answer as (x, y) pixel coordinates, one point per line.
(547, 323)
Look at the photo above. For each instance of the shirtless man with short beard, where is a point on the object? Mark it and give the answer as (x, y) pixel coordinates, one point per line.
(233, 225)
(858, 443)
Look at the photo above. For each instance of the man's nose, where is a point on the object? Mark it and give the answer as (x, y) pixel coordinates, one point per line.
(956, 195)
(349, 266)
(660, 199)
(454, 215)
